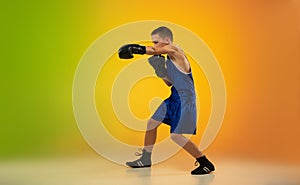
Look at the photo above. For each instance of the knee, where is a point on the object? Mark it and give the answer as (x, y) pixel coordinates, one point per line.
(179, 139)
(152, 124)
(176, 137)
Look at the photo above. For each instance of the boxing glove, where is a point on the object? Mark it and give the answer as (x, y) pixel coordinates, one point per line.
(127, 51)
(158, 63)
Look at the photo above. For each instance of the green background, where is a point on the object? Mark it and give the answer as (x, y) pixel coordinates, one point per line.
(41, 45)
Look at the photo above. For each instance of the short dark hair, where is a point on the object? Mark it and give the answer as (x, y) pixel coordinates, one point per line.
(163, 32)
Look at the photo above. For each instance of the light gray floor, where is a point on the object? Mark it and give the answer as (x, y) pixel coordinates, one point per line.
(94, 170)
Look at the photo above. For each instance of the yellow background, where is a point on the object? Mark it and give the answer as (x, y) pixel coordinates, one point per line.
(256, 42)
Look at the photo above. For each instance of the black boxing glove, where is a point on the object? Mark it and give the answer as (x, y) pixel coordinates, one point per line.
(127, 51)
(158, 63)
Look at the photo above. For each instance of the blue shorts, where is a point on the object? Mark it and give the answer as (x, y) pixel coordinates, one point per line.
(179, 112)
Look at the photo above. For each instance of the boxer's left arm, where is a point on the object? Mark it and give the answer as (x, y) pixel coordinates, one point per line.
(168, 49)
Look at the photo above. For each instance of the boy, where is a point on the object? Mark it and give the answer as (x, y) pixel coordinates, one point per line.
(179, 110)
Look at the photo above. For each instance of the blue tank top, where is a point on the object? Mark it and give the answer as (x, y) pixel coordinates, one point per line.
(181, 81)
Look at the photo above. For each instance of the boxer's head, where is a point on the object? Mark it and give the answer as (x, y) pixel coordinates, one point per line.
(162, 36)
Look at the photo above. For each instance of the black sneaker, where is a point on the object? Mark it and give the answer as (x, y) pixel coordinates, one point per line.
(205, 166)
(143, 162)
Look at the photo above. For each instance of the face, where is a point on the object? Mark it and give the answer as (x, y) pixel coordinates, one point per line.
(158, 41)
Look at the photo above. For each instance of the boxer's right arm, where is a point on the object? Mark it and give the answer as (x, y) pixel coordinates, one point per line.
(158, 63)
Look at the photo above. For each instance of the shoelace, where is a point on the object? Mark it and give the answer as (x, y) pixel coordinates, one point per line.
(196, 163)
(139, 152)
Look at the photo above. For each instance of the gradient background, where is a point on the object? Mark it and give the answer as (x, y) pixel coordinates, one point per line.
(257, 44)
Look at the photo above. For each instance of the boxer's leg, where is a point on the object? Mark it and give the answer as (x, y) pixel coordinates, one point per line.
(205, 165)
(150, 138)
(187, 145)
(151, 133)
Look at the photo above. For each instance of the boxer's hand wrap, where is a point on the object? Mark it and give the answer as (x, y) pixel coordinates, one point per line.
(127, 51)
(158, 63)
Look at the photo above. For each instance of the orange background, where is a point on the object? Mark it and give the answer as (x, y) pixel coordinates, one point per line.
(257, 44)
